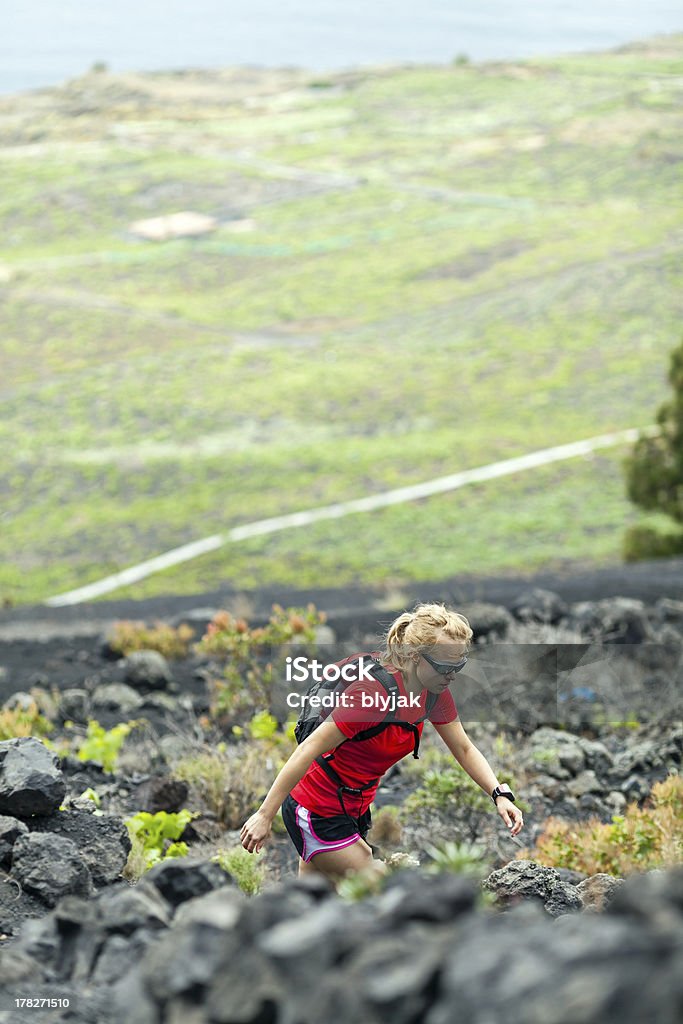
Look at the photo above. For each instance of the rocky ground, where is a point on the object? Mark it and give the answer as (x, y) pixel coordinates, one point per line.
(554, 683)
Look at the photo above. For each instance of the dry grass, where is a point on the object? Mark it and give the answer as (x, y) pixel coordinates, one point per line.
(641, 839)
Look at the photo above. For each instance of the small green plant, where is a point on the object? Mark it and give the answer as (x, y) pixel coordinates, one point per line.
(28, 721)
(91, 794)
(246, 869)
(460, 858)
(127, 637)
(103, 745)
(356, 885)
(443, 788)
(503, 748)
(263, 726)
(155, 836)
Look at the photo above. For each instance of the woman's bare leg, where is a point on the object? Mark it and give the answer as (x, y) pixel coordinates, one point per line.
(307, 868)
(337, 863)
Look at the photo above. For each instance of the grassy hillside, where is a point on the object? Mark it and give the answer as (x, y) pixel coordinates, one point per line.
(417, 270)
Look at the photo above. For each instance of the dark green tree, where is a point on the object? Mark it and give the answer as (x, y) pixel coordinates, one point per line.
(654, 475)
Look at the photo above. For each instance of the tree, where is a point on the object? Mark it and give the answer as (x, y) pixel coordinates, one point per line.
(654, 475)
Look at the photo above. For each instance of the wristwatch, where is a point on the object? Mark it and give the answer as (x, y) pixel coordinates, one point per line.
(503, 790)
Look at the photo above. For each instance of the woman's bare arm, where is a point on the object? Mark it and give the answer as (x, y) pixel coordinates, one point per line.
(477, 767)
(256, 829)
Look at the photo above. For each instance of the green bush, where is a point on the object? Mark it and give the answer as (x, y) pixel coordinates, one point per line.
(246, 869)
(445, 787)
(643, 542)
(654, 474)
(460, 858)
(155, 836)
(103, 745)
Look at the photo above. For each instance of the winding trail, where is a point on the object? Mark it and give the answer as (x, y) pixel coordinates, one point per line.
(397, 496)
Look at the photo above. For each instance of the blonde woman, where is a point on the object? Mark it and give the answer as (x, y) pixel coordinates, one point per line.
(327, 785)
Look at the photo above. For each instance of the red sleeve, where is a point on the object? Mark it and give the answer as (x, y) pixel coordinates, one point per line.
(352, 716)
(444, 710)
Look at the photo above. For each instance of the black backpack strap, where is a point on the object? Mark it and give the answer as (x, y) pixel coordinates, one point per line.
(342, 787)
(387, 679)
(430, 703)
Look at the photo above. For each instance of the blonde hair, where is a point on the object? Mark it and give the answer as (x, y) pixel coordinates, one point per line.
(420, 628)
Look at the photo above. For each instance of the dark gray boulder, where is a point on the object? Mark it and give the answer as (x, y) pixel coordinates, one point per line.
(161, 793)
(538, 605)
(147, 670)
(10, 830)
(527, 880)
(49, 867)
(102, 840)
(31, 781)
(179, 879)
(488, 620)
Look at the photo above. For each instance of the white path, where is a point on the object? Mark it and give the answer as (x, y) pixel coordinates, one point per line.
(344, 508)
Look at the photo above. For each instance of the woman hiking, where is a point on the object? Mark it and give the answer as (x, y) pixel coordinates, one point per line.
(328, 783)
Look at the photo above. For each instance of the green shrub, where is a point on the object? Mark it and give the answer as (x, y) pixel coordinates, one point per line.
(654, 474)
(155, 836)
(460, 858)
(263, 726)
(103, 745)
(642, 542)
(446, 787)
(246, 869)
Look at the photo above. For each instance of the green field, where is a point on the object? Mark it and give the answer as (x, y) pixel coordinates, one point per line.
(417, 271)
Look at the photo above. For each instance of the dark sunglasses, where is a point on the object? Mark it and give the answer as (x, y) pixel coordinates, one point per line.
(444, 668)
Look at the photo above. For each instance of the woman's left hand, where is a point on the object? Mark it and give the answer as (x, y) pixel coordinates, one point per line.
(511, 814)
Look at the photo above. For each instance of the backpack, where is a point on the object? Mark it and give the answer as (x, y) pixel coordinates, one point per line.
(311, 717)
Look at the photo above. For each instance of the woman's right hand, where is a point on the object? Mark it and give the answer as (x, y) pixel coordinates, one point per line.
(256, 831)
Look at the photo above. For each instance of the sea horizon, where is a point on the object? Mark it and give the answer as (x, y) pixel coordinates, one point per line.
(45, 42)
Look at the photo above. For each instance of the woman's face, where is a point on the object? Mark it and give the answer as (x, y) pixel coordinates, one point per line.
(445, 651)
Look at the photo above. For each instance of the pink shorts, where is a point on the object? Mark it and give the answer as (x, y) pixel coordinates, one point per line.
(312, 833)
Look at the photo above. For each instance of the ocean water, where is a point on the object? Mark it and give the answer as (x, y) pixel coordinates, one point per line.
(43, 42)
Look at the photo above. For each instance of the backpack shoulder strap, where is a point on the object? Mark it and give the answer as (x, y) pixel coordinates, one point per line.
(383, 676)
(391, 686)
(429, 705)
